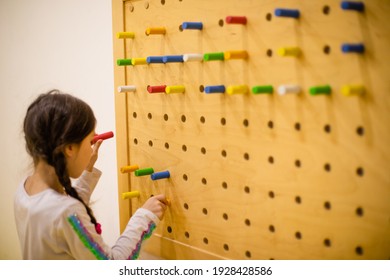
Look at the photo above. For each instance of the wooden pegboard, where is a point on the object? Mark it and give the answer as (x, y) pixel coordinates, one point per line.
(258, 176)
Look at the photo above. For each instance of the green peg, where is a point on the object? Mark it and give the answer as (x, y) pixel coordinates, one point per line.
(320, 90)
(144, 172)
(213, 56)
(262, 89)
(123, 62)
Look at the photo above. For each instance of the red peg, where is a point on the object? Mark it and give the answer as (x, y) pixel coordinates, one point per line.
(102, 136)
(154, 89)
(235, 20)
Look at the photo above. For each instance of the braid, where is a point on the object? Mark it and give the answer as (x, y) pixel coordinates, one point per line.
(60, 168)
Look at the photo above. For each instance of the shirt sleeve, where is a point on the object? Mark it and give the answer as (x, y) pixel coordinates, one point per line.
(86, 183)
(81, 241)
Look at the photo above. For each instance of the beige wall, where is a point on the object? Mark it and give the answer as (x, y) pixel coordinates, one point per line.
(49, 44)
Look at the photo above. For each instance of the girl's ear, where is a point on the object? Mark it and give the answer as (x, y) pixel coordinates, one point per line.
(69, 151)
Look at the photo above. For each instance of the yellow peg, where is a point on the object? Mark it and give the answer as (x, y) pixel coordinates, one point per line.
(289, 51)
(175, 89)
(235, 55)
(352, 90)
(132, 194)
(238, 89)
(155, 30)
(128, 169)
(138, 61)
(125, 35)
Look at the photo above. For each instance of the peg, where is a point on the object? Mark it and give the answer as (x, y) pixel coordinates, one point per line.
(213, 56)
(284, 89)
(172, 58)
(139, 61)
(155, 31)
(128, 195)
(237, 89)
(123, 61)
(352, 5)
(129, 168)
(192, 57)
(352, 48)
(192, 25)
(144, 172)
(235, 55)
(103, 136)
(126, 88)
(215, 89)
(155, 89)
(287, 13)
(175, 89)
(353, 90)
(317, 90)
(268, 89)
(160, 175)
(125, 35)
(154, 59)
(289, 51)
(236, 20)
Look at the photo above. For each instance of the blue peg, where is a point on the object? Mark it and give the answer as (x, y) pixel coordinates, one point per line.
(192, 25)
(172, 58)
(154, 59)
(352, 48)
(287, 13)
(352, 5)
(160, 175)
(215, 89)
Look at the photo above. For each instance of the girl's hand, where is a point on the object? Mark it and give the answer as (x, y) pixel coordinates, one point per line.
(94, 155)
(157, 204)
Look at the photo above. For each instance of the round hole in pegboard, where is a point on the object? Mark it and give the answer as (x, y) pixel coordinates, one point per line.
(225, 216)
(327, 242)
(327, 205)
(246, 156)
(326, 49)
(271, 159)
(203, 150)
(187, 234)
(298, 163)
(205, 240)
(184, 148)
(271, 194)
(223, 121)
(359, 250)
(150, 143)
(221, 22)
(202, 119)
(162, 2)
(359, 212)
(169, 229)
(298, 235)
(226, 247)
(166, 145)
(245, 122)
(360, 171)
(180, 28)
(247, 222)
(297, 126)
(327, 167)
(131, 8)
(201, 88)
(150, 116)
(247, 189)
(166, 117)
(223, 153)
(204, 181)
(185, 177)
(134, 115)
(185, 205)
(298, 199)
(327, 128)
(270, 124)
(224, 185)
(204, 211)
(146, 5)
(271, 228)
(183, 118)
(326, 10)
(268, 16)
(248, 254)
(360, 130)
(135, 141)
(269, 53)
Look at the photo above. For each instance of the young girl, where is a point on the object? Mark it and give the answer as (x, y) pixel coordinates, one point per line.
(53, 218)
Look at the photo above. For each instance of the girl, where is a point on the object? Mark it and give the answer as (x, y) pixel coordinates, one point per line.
(53, 218)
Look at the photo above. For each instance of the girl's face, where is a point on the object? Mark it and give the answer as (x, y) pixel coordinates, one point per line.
(79, 156)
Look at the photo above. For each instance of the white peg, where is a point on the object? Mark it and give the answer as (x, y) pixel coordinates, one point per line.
(126, 88)
(284, 89)
(192, 57)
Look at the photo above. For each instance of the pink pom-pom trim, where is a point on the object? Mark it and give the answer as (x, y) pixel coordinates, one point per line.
(98, 228)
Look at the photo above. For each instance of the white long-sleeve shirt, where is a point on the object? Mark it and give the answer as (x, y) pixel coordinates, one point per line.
(51, 225)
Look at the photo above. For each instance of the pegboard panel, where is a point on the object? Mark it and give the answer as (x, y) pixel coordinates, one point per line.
(258, 176)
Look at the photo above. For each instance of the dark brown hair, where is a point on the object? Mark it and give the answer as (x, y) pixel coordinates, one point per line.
(52, 121)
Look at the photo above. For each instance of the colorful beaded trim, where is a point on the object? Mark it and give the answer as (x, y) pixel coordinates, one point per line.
(145, 235)
(86, 238)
